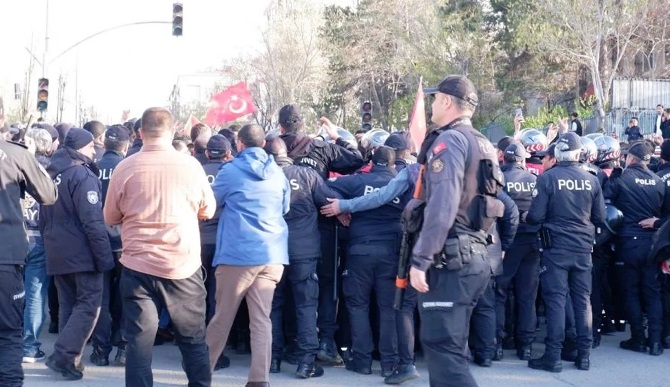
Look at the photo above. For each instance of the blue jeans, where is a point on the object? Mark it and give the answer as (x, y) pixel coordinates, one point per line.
(37, 285)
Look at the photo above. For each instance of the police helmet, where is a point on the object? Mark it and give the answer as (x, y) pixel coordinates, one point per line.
(609, 149)
(343, 133)
(613, 223)
(533, 140)
(593, 136)
(374, 139)
(589, 150)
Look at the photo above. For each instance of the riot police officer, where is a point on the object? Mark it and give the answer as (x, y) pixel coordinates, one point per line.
(640, 195)
(567, 202)
(456, 159)
(522, 260)
(664, 173)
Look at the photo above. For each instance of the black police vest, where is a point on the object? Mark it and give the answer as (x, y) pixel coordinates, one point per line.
(478, 208)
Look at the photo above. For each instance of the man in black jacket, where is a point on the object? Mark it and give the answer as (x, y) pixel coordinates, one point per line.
(78, 248)
(137, 142)
(20, 173)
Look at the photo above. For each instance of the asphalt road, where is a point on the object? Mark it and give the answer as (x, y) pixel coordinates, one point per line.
(610, 366)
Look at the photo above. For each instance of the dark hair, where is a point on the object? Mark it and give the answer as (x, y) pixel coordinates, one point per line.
(251, 136)
(197, 130)
(179, 145)
(574, 114)
(115, 145)
(276, 147)
(504, 142)
(156, 121)
(634, 118)
(384, 154)
(235, 128)
(232, 138)
(96, 128)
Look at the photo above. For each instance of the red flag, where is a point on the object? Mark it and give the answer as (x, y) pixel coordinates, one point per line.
(417, 122)
(191, 121)
(232, 103)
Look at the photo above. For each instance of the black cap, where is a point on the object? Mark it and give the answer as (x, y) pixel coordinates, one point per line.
(641, 150)
(289, 116)
(665, 150)
(397, 142)
(571, 140)
(218, 146)
(516, 151)
(78, 138)
(551, 151)
(138, 125)
(458, 86)
(49, 128)
(117, 133)
(504, 142)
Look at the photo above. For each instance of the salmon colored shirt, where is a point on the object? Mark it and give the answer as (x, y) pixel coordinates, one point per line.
(158, 195)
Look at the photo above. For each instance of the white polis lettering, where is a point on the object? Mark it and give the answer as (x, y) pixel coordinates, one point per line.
(308, 161)
(645, 181)
(105, 174)
(368, 190)
(574, 185)
(57, 180)
(519, 186)
(294, 185)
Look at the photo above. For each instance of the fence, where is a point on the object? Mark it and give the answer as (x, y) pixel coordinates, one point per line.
(643, 94)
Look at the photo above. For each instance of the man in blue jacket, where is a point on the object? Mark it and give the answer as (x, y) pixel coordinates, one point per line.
(252, 247)
(78, 248)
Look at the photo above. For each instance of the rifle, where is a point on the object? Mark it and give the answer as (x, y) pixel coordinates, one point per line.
(406, 244)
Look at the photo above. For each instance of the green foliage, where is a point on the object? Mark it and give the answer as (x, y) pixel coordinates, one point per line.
(544, 117)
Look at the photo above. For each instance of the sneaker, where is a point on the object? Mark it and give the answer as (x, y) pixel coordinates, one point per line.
(35, 357)
(120, 358)
(402, 374)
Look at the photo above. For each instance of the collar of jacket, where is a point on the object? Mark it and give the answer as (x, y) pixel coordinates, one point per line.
(566, 164)
(433, 135)
(283, 161)
(382, 169)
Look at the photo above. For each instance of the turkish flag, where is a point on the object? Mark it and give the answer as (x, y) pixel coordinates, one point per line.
(417, 122)
(191, 121)
(230, 104)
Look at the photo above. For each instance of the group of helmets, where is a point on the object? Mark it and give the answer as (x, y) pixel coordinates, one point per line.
(597, 148)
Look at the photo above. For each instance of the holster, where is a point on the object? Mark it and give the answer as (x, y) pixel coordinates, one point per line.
(545, 238)
(457, 252)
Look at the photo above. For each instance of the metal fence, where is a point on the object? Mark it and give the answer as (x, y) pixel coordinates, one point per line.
(643, 94)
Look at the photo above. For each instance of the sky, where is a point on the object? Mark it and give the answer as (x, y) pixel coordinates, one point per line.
(130, 68)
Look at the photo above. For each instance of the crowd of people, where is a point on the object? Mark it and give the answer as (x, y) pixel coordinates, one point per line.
(287, 245)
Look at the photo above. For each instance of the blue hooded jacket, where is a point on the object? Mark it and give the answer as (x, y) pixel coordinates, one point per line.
(254, 196)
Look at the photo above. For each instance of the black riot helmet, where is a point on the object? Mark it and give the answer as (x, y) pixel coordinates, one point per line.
(613, 223)
(609, 149)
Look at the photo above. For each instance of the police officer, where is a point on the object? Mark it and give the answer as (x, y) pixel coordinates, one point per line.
(308, 193)
(640, 195)
(115, 142)
(664, 173)
(484, 320)
(78, 248)
(567, 202)
(341, 157)
(372, 265)
(456, 157)
(20, 173)
(522, 260)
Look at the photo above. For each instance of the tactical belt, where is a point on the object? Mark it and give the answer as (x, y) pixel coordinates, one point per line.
(458, 251)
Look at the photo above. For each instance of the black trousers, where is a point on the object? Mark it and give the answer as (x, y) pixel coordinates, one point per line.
(445, 311)
(79, 301)
(483, 324)
(144, 296)
(300, 277)
(601, 296)
(327, 318)
(404, 320)
(12, 300)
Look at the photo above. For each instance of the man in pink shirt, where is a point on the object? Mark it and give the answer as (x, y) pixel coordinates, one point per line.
(158, 195)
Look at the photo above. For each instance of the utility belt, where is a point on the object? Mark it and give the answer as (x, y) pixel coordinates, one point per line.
(458, 251)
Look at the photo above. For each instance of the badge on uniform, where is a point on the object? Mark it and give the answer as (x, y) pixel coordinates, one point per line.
(437, 165)
(92, 197)
(439, 147)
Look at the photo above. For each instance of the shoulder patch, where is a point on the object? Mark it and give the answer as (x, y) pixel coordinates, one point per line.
(439, 147)
(437, 165)
(92, 197)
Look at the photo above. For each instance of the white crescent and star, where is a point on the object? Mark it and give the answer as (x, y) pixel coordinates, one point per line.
(242, 105)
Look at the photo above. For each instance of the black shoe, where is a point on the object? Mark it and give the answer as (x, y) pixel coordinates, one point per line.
(68, 371)
(275, 366)
(633, 345)
(222, 362)
(583, 363)
(545, 365)
(498, 354)
(402, 374)
(328, 353)
(351, 366)
(53, 327)
(120, 358)
(524, 353)
(291, 357)
(569, 355)
(98, 358)
(306, 371)
(666, 342)
(258, 384)
(80, 367)
(596, 340)
(655, 349)
(386, 371)
(608, 328)
(509, 343)
(483, 361)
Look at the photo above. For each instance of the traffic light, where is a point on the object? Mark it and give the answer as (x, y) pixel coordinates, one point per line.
(42, 94)
(366, 118)
(177, 19)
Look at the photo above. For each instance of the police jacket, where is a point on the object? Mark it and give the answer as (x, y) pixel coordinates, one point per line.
(201, 157)
(503, 232)
(208, 227)
(639, 194)
(31, 209)
(341, 157)
(452, 167)
(20, 173)
(379, 224)
(73, 228)
(135, 147)
(568, 202)
(595, 171)
(519, 185)
(106, 166)
(308, 193)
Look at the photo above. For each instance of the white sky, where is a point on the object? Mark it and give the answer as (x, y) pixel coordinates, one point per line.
(130, 68)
